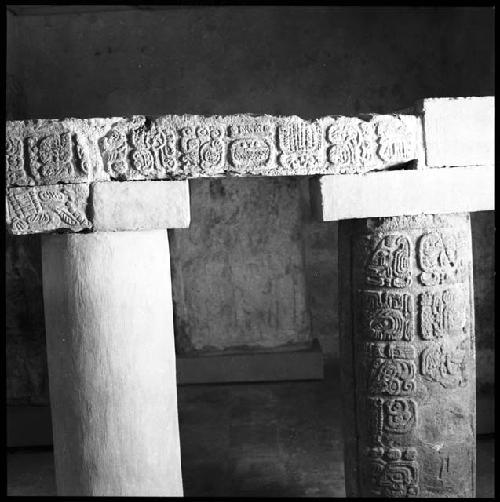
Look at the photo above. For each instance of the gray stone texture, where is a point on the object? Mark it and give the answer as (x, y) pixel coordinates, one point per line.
(32, 210)
(146, 205)
(408, 350)
(250, 290)
(173, 147)
(391, 193)
(231, 60)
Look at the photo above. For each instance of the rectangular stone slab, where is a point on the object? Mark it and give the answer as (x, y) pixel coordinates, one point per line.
(458, 131)
(190, 146)
(32, 210)
(391, 193)
(140, 205)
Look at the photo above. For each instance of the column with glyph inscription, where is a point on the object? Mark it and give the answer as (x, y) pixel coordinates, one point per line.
(406, 305)
(408, 330)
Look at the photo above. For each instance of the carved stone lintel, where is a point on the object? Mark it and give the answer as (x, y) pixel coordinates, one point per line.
(32, 210)
(173, 147)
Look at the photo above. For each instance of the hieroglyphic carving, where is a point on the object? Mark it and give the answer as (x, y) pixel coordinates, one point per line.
(441, 312)
(153, 150)
(50, 207)
(389, 262)
(114, 151)
(14, 162)
(399, 415)
(189, 146)
(388, 316)
(391, 417)
(251, 146)
(56, 158)
(299, 142)
(411, 391)
(353, 145)
(391, 472)
(202, 149)
(396, 141)
(390, 369)
(445, 365)
(441, 258)
(147, 151)
(358, 145)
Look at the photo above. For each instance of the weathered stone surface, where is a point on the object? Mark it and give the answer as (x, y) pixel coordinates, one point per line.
(32, 210)
(189, 146)
(391, 193)
(144, 205)
(248, 289)
(43, 152)
(408, 346)
(452, 131)
(111, 361)
(458, 131)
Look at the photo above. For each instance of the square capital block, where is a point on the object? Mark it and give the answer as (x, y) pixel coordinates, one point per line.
(458, 131)
(140, 205)
(412, 192)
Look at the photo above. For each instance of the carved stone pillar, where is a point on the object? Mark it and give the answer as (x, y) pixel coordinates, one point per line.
(407, 314)
(407, 330)
(111, 360)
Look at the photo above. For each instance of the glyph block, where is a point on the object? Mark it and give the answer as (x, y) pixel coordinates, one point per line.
(32, 210)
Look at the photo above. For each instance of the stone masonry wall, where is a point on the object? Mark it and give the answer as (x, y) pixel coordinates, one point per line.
(308, 61)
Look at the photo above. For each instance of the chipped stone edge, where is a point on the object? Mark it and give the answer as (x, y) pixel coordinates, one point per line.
(89, 135)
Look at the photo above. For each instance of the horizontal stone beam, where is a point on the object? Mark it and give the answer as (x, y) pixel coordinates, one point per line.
(45, 152)
(98, 207)
(405, 192)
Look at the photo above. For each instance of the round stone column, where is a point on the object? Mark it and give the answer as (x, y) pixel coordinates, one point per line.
(408, 352)
(111, 359)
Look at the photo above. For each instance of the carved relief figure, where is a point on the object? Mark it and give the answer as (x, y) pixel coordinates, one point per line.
(114, 150)
(441, 312)
(388, 316)
(391, 472)
(52, 159)
(38, 209)
(447, 366)
(251, 146)
(391, 369)
(389, 263)
(299, 142)
(202, 149)
(396, 142)
(440, 258)
(353, 145)
(14, 162)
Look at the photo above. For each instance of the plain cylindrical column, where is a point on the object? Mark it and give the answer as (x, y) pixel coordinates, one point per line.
(408, 354)
(111, 359)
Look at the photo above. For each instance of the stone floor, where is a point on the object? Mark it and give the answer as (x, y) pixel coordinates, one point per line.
(266, 439)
